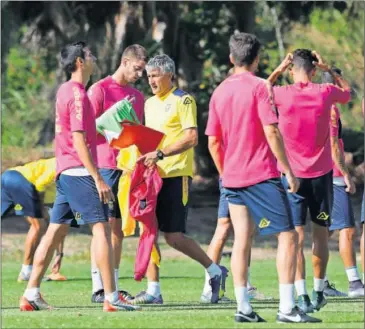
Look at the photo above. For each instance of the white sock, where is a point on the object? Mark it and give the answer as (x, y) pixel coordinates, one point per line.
(301, 287)
(214, 270)
(287, 301)
(153, 288)
(318, 284)
(352, 274)
(113, 297)
(243, 304)
(31, 293)
(207, 287)
(96, 280)
(325, 278)
(27, 269)
(363, 277)
(116, 277)
(249, 286)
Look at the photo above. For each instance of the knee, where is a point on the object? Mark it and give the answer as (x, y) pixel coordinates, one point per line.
(117, 234)
(349, 233)
(173, 239)
(300, 238)
(223, 229)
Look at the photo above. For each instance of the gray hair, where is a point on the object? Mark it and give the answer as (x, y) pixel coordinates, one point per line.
(162, 62)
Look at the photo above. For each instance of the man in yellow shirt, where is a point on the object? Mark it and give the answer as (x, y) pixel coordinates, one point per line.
(173, 112)
(25, 186)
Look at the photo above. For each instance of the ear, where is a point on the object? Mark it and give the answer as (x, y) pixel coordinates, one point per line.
(124, 61)
(79, 62)
(231, 59)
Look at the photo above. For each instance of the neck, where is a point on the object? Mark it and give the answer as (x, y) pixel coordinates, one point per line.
(119, 77)
(243, 69)
(302, 77)
(80, 77)
(166, 91)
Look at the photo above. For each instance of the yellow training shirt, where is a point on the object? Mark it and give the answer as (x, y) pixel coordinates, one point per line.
(40, 173)
(172, 114)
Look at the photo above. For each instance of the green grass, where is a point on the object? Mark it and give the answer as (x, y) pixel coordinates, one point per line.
(181, 282)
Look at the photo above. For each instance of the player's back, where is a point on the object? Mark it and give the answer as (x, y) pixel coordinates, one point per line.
(242, 107)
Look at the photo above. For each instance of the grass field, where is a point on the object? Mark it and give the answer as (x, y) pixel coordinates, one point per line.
(182, 281)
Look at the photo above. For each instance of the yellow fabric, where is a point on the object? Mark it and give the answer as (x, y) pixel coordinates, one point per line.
(40, 173)
(126, 161)
(172, 114)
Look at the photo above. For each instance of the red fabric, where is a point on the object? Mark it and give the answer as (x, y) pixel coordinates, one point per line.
(145, 186)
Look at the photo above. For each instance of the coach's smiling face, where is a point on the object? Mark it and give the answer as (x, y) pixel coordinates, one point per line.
(159, 81)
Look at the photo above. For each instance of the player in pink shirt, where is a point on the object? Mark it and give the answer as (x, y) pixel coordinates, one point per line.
(343, 218)
(103, 94)
(81, 191)
(304, 114)
(243, 125)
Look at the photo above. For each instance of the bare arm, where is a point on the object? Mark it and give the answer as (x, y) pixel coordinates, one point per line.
(280, 69)
(215, 146)
(276, 144)
(83, 152)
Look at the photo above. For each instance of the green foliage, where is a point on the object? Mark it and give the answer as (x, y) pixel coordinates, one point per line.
(24, 99)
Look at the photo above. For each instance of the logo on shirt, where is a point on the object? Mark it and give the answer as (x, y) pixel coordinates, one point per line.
(323, 216)
(264, 223)
(187, 101)
(78, 103)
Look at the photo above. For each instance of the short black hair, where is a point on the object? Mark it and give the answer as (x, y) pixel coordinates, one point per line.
(328, 78)
(136, 51)
(303, 59)
(244, 48)
(69, 55)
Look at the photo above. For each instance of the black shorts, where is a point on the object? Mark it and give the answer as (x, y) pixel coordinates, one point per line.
(172, 204)
(315, 194)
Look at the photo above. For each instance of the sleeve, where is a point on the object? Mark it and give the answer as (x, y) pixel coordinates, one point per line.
(187, 112)
(339, 95)
(213, 124)
(266, 104)
(96, 97)
(335, 116)
(77, 106)
(47, 176)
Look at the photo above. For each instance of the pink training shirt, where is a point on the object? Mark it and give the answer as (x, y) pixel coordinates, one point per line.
(73, 113)
(104, 94)
(304, 116)
(336, 130)
(238, 110)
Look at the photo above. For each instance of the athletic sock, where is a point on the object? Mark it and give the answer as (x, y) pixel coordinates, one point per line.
(116, 277)
(154, 288)
(352, 274)
(242, 298)
(27, 269)
(318, 284)
(31, 293)
(325, 278)
(214, 270)
(207, 287)
(301, 287)
(287, 301)
(112, 297)
(96, 280)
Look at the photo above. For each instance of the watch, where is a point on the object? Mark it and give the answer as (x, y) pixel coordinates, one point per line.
(160, 155)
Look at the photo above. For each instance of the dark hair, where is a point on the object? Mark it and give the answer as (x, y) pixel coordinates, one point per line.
(303, 59)
(69, 55)
(135, 51)
(328, 78)
(244, 48)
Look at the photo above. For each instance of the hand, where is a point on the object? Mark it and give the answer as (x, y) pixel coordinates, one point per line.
(105, 193)
(350, 186)
(286, 63)
(130, 98)
(320, 64)
(293, 182)
(57, 264)
(149, 159)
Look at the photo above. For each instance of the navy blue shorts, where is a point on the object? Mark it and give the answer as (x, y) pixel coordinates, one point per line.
(172, 204)
(111, 177)
(315, 194)
(77, 198)
(16, 189)
(267, 203)
(223, 210)
(342, 211)
(363, 208)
